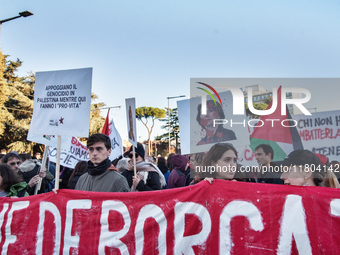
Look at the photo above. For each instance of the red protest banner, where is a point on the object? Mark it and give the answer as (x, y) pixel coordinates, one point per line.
(222, 218)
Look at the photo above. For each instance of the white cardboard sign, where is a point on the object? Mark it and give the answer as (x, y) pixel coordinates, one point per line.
(62, 103)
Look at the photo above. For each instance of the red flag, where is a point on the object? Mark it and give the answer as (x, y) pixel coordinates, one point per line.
(106, 124)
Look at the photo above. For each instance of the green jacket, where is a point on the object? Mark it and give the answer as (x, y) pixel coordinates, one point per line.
(18, 190)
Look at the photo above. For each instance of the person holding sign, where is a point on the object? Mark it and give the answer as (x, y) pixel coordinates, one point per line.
(29, 174)
(101, 174)
(148, 177)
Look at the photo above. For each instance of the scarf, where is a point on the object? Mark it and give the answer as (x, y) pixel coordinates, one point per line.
(100, 169)
(142, 170)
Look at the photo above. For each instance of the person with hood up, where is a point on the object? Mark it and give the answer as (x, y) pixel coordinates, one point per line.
(177, 175)
(148, 178)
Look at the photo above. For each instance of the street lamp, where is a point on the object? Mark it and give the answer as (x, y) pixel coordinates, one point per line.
(169, 115)
(21, 14)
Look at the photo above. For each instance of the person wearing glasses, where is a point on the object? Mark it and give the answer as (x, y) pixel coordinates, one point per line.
(31, 178)
(101, 175)
(148, 178)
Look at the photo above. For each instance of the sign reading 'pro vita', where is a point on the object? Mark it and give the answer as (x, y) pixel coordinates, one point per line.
(62, 103)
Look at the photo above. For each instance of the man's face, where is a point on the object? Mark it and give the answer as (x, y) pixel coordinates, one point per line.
(14, 163)
(262, 158)
(98, 153)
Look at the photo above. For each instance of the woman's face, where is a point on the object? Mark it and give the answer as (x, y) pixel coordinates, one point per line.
(226, 165)
(138, 159)
(295, 176)
(193, 162)
(207, 121)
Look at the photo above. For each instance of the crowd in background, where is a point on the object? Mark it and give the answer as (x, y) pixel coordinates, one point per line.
(23, 175)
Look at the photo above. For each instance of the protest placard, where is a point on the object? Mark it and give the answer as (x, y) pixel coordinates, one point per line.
(131, 120)
(320, 133)
(76, 151)
(219, 119)
(50, 140)
(201, 130)
(183, 109)
(62, 103)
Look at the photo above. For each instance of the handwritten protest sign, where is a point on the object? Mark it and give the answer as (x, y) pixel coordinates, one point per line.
(62, 103)
(77, 151)
(320, 133)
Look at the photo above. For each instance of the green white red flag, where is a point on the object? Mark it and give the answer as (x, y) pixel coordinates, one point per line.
(276, 130)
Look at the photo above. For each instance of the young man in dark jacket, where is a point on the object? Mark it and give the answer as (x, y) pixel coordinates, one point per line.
(101, 174)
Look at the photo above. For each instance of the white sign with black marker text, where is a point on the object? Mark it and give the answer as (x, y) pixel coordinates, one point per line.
(62, 103)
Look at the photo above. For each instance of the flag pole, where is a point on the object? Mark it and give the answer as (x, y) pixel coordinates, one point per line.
(57, 170)
(105, 129)
(43, 167)
(134, 160)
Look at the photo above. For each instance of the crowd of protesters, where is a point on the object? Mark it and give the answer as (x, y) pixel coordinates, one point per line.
(21, 175)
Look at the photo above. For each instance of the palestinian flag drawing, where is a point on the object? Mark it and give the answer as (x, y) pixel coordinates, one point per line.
(282, 139)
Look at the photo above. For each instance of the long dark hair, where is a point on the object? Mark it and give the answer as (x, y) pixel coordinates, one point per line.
(81, 167)
(161, 163)
(217, 107)
(9, 177)
(216, 152)
(169, 164)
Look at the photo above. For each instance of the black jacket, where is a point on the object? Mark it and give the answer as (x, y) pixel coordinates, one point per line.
(152, 182)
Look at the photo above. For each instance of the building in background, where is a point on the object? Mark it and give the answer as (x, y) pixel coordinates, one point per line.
(260, 94)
